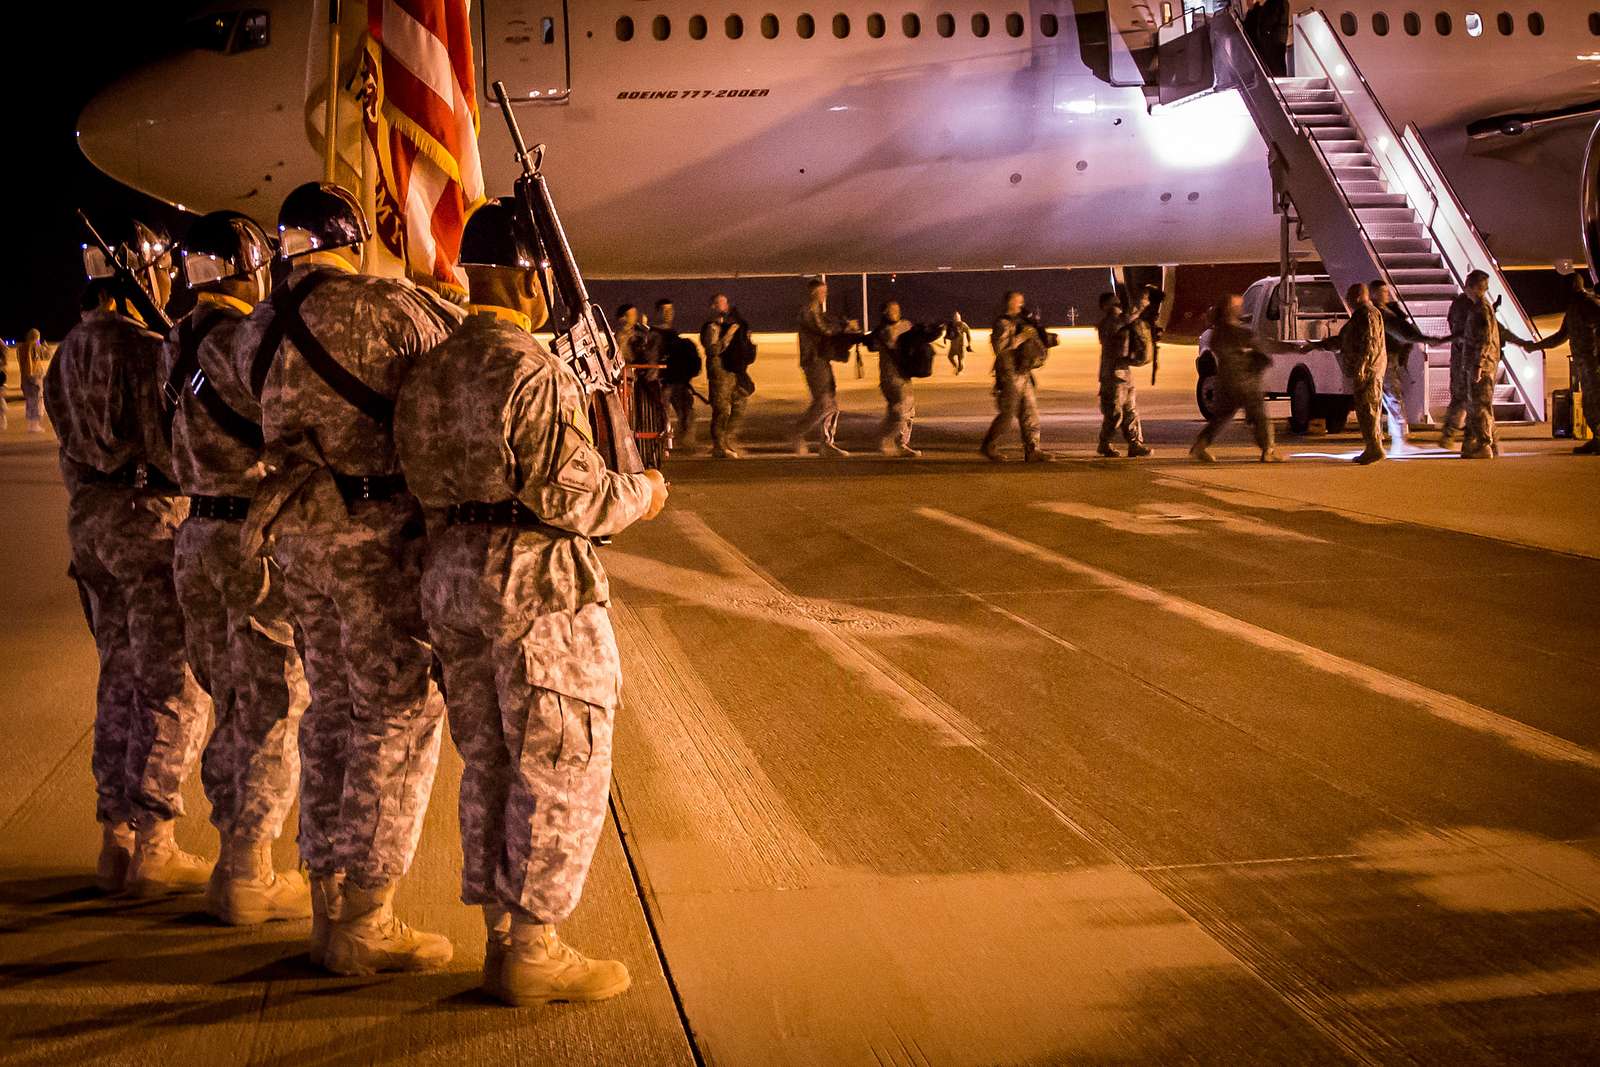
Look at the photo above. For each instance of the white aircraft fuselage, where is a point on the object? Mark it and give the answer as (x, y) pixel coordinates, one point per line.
(746, 154)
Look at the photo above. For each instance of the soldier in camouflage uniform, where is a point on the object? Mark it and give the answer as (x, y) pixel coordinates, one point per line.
(103, 394)
(1017, 349)
(1580, 327)
(1125, 343)
(899, 400)
(325, 356)
(729, 387)
(1480, 340)
(240, 639)
(1242, 358)
(495, 442)
(1363, 356)
(818, 329)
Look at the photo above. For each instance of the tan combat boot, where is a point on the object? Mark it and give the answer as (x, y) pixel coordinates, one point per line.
(116, 856)
(325, 889)
(540, 967)
(160, 867)
(246, 891)
(365, 936)
(497, 928)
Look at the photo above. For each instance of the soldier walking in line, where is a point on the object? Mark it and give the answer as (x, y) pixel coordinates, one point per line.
(1362, 357)
(31, 363)
(516, 602)
(1242, 357)
(1125, 343)
(821, 336)
(1481, 338)
(103, 395)
(1018, 349)
(1401, 336)
(682, 360)
(900, 402)
(1580, 327)
(729, 353)
(240, 639)
(325, 355)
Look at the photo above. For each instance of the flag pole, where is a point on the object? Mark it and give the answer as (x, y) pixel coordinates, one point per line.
(330, 119)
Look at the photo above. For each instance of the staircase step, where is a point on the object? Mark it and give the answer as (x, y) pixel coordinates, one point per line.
(1366, 200)
(1399, 216)
(1506, 394)
(1320, 121)
(1419, 275)
(1426, 293)
(1387, 245)
(1341, 161)
(1364, 187)
(1355, 173)
(1315, 109)
(1302, 84)
(1433, 316)
(1338, 130)
(1402, 261)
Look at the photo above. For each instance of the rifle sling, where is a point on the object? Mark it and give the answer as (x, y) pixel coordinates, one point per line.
(188, 374)
(288, 323)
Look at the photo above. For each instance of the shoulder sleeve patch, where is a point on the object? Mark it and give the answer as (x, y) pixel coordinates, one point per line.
(579, 422)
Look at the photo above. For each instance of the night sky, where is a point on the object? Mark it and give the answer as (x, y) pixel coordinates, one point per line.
(60, 54)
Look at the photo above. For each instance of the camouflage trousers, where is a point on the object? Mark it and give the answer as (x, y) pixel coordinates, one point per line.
(242, 650)
(1394, 397)
(1586, 376)
(1119, 411)
(1479, 438)
(900, 403)
(824, 409)
(680, 400)
(1368, 396)
(151, 714)
(1233, 397)
(369, 742)
(1015, 399)
(727, 404)
(1461, 373)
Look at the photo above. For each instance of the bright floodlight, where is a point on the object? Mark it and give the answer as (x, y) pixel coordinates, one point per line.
(1203, 132)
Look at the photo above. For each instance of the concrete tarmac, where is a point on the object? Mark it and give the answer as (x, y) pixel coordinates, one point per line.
(937, 762)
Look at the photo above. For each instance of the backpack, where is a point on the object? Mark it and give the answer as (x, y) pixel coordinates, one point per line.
(915, 357)
(682, 357)
(741, 351)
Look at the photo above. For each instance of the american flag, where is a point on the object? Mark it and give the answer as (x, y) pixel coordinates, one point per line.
(421, 115)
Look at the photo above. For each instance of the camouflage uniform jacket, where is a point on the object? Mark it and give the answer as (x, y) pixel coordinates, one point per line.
(103, 394)
(1362, 352)
(1580, 326)
(1116, 332)
(816, 324)
(210, 461)
(490, 415)
(1480, 337)
(373, 328)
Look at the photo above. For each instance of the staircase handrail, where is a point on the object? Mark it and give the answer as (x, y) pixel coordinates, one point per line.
(1232, 15)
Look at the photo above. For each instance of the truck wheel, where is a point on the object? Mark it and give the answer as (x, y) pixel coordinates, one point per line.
(1336, 414)
(1205, 394)
(1302, 401)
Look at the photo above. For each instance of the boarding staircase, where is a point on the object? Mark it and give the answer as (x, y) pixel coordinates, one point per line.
(1372, 199)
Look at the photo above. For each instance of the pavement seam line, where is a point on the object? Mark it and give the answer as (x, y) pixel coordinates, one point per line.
(1519, 735)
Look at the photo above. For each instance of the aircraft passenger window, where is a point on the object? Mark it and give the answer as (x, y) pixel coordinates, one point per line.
(1506, 23)
(1536, 24)
(1474, 23)
(1380, 24)
(910, 25)
(661, 27)
(1443, 23)
(980, 25)
(841, 26)
(805, 26)
(1015, 25)
(875, 25)
(769, 26)
(1412, 23)
(697, 27)
(1594, 23)
(947, 25)
(1348, 24)
(733, 26)
(1049, 25)
(625, 29)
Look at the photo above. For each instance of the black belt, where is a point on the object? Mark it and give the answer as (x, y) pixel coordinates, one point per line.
(357, 487)
(226, 508)
(500, 513)
(138, 475)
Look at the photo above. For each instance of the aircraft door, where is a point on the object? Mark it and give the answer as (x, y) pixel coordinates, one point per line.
(525, 46)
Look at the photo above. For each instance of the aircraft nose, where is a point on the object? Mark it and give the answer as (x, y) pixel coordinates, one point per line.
(206, 130)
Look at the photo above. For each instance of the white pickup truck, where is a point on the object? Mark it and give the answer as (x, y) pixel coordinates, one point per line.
(1311, 381)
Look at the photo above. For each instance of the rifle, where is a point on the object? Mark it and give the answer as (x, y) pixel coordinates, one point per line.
(583, 337)
(122, 274)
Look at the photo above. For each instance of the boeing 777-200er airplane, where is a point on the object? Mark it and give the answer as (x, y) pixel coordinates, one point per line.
(688, 138)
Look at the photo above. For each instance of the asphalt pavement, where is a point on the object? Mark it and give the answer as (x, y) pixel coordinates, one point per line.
(940, 762)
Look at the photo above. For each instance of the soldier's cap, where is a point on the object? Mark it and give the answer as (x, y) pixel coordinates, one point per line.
(494, 238)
